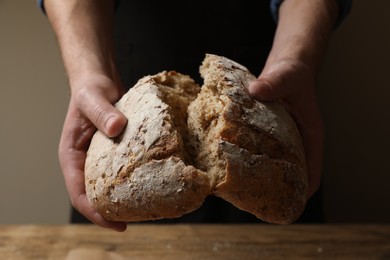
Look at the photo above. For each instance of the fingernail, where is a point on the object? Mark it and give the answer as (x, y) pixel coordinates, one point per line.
(114, 126)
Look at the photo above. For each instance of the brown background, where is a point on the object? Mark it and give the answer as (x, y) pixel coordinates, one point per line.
(353, 88)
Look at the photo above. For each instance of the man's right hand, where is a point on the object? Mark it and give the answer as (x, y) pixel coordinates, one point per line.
(90, 107)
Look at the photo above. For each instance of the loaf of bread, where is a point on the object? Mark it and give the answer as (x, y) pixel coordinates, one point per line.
(184, 142)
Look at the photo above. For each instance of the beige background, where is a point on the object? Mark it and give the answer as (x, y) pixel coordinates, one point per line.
(33, 101)
(354, 89)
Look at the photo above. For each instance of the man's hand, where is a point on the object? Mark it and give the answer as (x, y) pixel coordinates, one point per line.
(303, 30)
(293, 85)
(89, 106)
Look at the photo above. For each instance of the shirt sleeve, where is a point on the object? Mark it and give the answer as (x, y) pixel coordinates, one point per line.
(345, 8)
(41, 6)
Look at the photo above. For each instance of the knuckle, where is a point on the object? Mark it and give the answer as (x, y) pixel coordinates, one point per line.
(99, 115)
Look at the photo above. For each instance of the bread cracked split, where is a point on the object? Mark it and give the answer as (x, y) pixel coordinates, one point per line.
(184, 142)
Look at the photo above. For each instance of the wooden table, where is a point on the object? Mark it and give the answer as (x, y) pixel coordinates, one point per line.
(144, 241)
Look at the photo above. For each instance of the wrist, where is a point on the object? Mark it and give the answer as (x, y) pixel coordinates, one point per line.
(84, 70)
(90, 85)
(303, 31)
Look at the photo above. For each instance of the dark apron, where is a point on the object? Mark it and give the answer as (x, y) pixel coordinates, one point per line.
(152, 36)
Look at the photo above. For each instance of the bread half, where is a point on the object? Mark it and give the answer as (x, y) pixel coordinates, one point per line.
(146, 172)
(253, 150)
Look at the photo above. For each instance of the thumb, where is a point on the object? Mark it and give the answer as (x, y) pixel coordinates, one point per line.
(268, 87)
(114, 122)
(104, 116)
(108, 119)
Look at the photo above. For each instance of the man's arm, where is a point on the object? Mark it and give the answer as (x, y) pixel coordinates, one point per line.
(303, 30)
(84, 32)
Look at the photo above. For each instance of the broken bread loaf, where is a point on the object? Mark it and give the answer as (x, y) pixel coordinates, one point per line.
(184, 143)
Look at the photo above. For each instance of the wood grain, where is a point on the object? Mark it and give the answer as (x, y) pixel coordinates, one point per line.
(145, 241)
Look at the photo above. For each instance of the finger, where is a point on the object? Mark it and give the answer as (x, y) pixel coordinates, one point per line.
(106, 117)
(74, 179)
(82, 205)
(101, 112)
(269, 87)
(313, 144)
(308, 118)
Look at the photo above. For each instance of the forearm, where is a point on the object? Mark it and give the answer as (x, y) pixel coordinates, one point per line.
(84, 31)
(303, 31)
